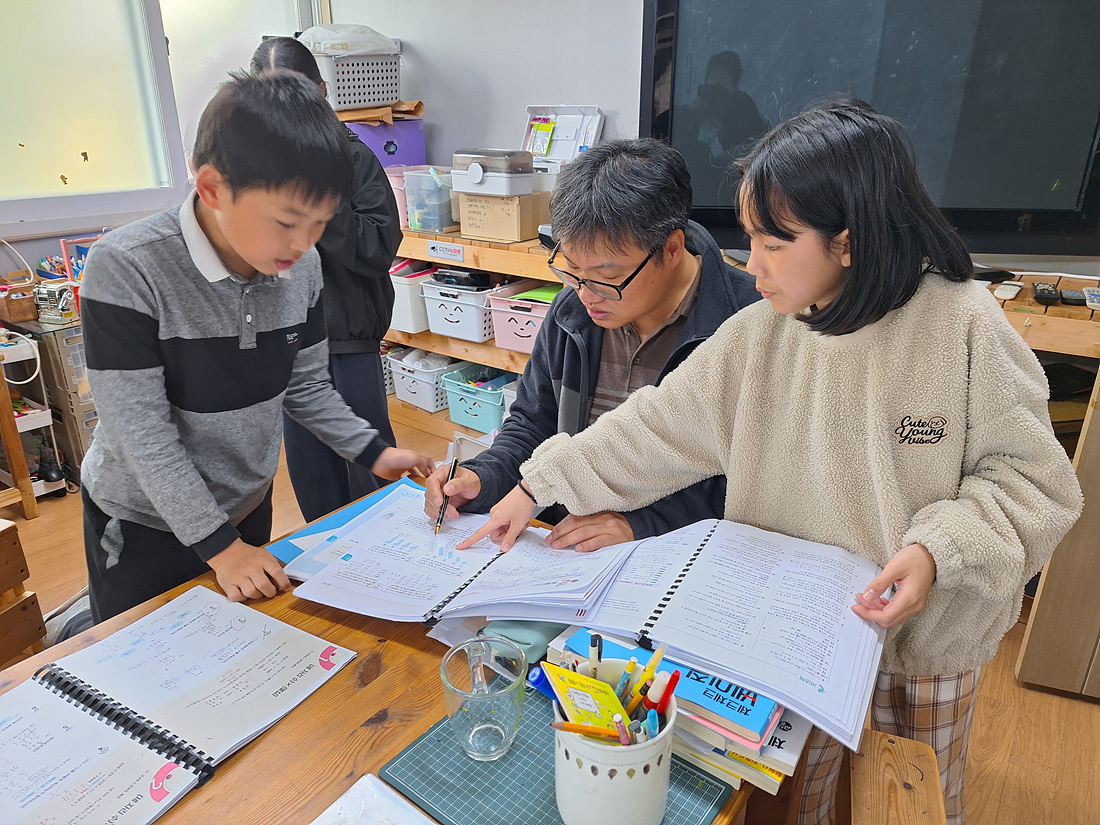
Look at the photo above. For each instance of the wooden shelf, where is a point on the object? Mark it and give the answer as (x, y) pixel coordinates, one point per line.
(526, 259)
(437, 424)
(486, 353)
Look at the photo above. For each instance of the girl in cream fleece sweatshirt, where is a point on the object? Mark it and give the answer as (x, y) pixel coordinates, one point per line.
(878, 400)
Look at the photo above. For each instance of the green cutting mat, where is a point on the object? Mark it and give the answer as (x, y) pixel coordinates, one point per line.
(435, 773)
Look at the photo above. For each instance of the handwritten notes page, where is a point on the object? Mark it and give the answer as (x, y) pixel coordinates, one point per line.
(391, 565)
(61, 764)
(214, 672)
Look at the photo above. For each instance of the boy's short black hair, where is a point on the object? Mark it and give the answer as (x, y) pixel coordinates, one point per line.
(273, 129)
(842, 165)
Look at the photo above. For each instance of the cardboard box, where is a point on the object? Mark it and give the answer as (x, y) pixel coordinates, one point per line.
(17, 297)
(509, 219)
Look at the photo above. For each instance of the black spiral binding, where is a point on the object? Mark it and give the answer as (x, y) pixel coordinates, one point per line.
(643, 634)
(432, 616)
(78, 692)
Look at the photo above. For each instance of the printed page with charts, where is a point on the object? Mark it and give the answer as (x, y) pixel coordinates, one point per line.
(392, 565)
(151, 709)
(769, 612)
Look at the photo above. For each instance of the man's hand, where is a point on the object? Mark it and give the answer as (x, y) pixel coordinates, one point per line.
(463, 488)
(591, 532)
(912, 571)
(392, 463)
(507, 519)
(247, 572)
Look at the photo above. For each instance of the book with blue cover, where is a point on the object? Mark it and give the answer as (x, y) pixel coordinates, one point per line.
(731, 706)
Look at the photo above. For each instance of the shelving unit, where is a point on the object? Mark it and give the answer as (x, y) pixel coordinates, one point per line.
(526, 259)
(39, 418)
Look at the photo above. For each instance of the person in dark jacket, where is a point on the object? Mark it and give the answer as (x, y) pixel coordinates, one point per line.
(356, 251)
(647, 286)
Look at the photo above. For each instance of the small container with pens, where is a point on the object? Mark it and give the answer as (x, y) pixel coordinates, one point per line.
(598, 776)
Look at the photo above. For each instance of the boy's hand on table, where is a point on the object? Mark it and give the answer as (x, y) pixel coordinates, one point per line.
(247, 572)
(507, 519)
(463, 488)
(591, 532)
(911, 571)
(393, 462)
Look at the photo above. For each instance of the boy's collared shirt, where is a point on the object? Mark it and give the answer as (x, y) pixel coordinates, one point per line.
(202, 252)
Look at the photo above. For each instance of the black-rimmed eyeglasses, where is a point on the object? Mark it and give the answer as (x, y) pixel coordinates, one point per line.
(612, 292)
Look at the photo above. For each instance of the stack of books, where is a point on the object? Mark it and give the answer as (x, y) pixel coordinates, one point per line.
(732, 733)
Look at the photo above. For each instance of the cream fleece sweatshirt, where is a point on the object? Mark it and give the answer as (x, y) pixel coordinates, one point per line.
(929, 426)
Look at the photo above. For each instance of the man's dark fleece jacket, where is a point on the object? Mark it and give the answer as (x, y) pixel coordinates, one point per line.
(554, 394)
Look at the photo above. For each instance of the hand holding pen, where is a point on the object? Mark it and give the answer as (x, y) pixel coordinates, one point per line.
(443, 507)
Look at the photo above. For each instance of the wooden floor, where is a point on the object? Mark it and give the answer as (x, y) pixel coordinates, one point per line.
(1034, 756)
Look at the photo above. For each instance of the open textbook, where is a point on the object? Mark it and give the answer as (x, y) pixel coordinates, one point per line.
(769, 612)
(118, 731)
(390, 564)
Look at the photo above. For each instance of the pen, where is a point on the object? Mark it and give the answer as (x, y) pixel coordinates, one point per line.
(666, 697)
(587, 730)
(652, 724)
(637, 700)
(443, 509)
(637, 732)
(595, 642)
(624, 734)
(624, 680)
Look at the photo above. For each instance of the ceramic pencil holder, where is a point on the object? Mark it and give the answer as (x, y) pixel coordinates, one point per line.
(600, 781)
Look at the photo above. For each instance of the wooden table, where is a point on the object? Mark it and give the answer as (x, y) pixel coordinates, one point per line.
(355, 723)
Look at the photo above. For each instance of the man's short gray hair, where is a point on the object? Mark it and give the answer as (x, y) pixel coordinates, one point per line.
(622, 193)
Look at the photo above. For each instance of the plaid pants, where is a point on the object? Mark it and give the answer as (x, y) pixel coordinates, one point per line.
(932, 709)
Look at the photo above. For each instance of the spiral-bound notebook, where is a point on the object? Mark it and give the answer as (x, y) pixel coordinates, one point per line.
(120, 730)
(390, 564)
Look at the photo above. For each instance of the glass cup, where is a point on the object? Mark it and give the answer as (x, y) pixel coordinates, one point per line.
(483, 683)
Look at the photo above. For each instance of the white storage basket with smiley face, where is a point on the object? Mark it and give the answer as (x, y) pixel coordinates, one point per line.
(463, 311)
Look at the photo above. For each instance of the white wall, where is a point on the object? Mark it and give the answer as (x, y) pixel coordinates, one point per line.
(477, 64)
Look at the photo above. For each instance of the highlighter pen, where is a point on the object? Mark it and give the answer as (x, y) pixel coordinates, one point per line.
(587, 730)
(657, 692)
(443, 508)
(624, 734)
(654, 660)
(538, 679)
(624, 680)
(666, 697)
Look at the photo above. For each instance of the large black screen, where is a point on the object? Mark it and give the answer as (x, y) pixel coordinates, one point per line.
(1000, 97)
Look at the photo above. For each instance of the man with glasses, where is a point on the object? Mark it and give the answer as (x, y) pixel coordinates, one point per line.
(646, 287)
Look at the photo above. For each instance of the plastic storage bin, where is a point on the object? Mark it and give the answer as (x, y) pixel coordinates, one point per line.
(409, 313)
(493, 172)
(419, 387)
(518, 318)
(428, 199)
(509, 391)
(464, 312)
(358, 80)
(480, 408)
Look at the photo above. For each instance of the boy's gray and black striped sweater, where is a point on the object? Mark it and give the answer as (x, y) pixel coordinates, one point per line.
(190, 377)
